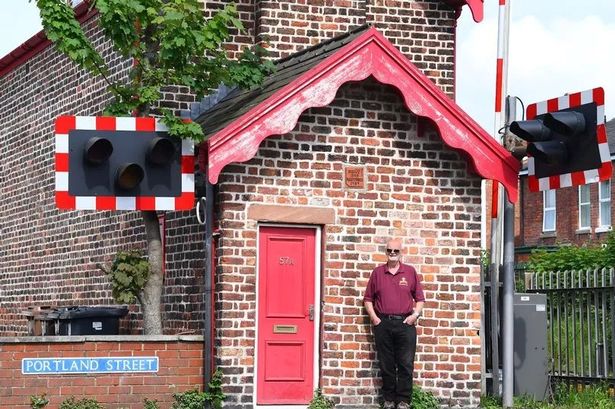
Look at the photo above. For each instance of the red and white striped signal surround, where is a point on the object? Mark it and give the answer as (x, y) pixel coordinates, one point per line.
(64, 200)
(604, 172)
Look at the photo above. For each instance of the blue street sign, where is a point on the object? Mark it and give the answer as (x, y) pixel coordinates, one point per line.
(41, 366)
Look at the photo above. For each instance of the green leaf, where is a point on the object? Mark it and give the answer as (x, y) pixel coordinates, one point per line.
(169, 42)
(128, 274)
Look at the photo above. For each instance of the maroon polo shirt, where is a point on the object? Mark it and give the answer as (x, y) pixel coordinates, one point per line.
(394, 293)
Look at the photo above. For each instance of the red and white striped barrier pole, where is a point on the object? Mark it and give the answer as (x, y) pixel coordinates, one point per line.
(502, 230)
(498, 198)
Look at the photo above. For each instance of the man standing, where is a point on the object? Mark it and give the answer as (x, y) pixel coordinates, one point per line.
(394, 301)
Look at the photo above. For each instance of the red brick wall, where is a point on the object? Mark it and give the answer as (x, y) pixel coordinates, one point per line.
(246, 10)
(55, 253)
(417, 189)
(424, 30)
(180, 370)
(49, 257)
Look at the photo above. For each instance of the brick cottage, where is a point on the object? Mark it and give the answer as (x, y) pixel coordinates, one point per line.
(349, 142)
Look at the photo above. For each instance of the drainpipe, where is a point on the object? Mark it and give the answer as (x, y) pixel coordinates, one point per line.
(208, 302)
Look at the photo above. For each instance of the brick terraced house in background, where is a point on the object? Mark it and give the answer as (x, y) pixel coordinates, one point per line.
(353, 139)
(571, 215)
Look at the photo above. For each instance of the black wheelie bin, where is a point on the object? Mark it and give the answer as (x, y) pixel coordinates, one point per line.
(102, 320)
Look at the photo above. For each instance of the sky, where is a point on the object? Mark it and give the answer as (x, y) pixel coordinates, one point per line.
(19, 21)
(556, 47)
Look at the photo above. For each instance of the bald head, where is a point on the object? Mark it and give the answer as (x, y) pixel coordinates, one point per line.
(394, 243)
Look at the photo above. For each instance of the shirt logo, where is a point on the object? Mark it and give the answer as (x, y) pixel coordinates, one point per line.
(403, 281)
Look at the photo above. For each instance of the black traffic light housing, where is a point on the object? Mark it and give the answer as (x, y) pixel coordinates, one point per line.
(563, 141)
(121, 163)
(124, 163)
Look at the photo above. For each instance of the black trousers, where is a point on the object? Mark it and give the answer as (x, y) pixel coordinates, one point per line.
(396, 346)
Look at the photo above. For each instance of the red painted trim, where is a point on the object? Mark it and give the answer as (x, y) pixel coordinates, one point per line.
(38, 42)
(605, 172)
(575, 99)
(105, 123)
(578, 178)
(185, 201)
(495, 194)
(476, 7)
(62, 162)
(105, 203)
(531, 111)
(187, 164)
(369, 54)
(146, 124)
(601, 134)
(499, 72)
(533, 183)
(552, 105)
(598, 95)
(146, 202)
(64, 124)
(64, 200)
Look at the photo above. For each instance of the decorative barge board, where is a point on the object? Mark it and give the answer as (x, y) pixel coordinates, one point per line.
(243, 119)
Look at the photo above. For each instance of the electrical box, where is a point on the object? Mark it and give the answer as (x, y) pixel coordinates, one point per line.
(530, 346)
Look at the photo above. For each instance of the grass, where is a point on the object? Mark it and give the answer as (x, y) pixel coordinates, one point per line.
(565, 397)
(572, 342)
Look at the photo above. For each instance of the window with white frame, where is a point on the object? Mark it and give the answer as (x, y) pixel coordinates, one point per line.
(584, 208)
(604, 197)
(548, 210)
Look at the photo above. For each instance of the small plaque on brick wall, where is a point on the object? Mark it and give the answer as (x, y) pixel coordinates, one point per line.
(354, 177)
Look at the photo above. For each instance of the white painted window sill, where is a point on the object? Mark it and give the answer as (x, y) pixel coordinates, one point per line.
(603, 229)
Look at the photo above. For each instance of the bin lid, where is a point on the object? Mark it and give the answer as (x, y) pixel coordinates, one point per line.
(67, 313)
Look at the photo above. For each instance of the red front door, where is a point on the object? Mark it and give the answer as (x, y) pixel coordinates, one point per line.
(285, 362)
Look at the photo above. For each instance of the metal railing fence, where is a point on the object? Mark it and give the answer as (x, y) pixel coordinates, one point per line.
(580, 314)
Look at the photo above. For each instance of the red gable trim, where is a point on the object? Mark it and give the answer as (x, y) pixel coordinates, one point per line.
(476, 7)
(38, 42)
(369, 54)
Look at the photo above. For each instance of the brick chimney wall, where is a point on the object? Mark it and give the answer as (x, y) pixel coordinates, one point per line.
(423, 30)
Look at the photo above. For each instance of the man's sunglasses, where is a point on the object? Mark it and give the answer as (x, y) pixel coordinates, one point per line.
(393, 251)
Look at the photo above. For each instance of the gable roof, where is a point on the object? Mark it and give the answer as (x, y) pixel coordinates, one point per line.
(237, 102)
(239, 122)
